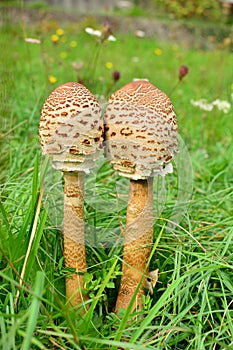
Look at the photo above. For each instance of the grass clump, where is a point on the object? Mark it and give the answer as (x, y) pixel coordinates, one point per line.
(191, 306)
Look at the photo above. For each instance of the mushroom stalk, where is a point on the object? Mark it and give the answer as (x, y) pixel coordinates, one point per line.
(74, 241)
(70, 132)
(137, 243)
(141, 140)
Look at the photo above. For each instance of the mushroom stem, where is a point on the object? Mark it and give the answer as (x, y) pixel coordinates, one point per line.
(137, 243)
(74, 241)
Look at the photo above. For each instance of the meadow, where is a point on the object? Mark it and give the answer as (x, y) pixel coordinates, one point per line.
(191, 306)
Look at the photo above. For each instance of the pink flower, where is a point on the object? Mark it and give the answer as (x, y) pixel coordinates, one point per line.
(183, 71)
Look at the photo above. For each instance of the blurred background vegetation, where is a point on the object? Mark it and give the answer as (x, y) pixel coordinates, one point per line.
(207, 9)
(213, 10)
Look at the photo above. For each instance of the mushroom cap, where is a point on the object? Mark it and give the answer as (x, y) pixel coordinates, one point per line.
(141, 131)
(71, 128)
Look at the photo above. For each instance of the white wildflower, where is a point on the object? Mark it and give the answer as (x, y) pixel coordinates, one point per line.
(222, 105)
(92, 31)
(203, 104)
(111, 38)
(98, 33)
(33, 41)
(140, 34)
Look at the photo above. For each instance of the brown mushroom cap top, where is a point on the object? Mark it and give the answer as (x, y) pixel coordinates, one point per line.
(71, 127)
(141, 131)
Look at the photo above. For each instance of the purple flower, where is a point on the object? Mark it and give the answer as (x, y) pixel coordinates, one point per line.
(80, 80)
(116, 75)
(107, 29)
(183, 71)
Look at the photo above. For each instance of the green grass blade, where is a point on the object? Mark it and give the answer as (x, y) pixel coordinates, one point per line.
(34, 340)
(89, 313)
(113, 344)
(4, 216)
(34, 310)
(36, 243)
(168, 296)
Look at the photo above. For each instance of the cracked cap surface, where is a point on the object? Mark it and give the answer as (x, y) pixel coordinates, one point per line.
(141, 131)
(71, 127)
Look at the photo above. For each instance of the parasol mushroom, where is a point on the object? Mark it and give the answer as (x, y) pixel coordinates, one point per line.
(71, 128)
(141, 139)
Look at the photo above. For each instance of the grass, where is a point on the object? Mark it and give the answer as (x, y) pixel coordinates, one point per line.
(191, 307)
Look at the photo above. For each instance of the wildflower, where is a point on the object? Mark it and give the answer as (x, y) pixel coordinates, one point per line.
(206, 106)
(106, 31)
(63, 54)
(60, 31)
(222, 105)
(55, 38)
(91, 31)
(32, 41)
(73, 43)
(158, 52)
(80, 80)
(203, 104)
(139, 34)
(183, 71)
(100, 34)
(116, 75)
(108, 65)
(111, 38)
(77, 65)
(52, 79)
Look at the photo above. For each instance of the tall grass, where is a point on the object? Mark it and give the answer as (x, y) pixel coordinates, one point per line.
(191, 307)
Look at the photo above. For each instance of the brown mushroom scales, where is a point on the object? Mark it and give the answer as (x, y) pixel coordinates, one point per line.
(71, 128)
(141, 137)
(141, 130)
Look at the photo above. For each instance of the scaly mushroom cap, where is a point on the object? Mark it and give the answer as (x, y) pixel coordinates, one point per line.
(140, 131)
(71, 128)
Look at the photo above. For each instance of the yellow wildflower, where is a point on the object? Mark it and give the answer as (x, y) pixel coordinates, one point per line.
(158, 52)
(63, 54)
(73, 43)
(54, 38)
(60, 31)
(52, 79)
(108, 65)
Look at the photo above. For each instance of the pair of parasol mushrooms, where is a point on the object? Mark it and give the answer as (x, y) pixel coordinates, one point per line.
(139, 130)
